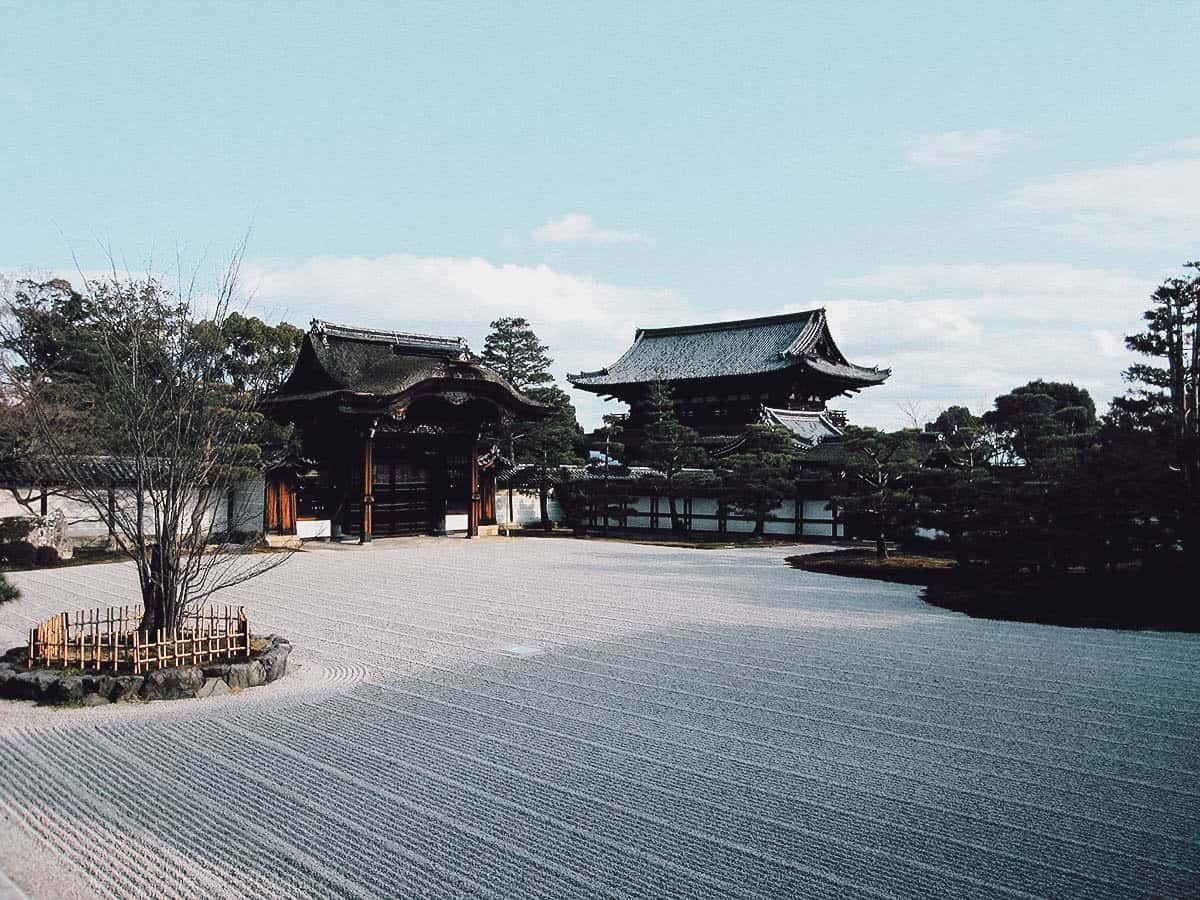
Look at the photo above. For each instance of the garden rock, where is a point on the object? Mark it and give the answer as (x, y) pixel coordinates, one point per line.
(247, 674)
(58, 687)
(34, 685)
(99, 684)
(126, 688)
(17, 656)
(65, 689)
(171, 684)
(213, 687)
(274, 660)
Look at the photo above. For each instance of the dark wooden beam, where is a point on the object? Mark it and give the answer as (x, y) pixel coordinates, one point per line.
(368, 485)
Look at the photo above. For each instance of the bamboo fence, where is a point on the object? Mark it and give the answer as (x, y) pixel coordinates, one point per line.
(109, 640)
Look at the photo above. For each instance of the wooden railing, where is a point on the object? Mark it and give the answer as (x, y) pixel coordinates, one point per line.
(109, 640)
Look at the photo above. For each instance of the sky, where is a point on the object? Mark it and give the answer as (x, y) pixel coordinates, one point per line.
(979, 195)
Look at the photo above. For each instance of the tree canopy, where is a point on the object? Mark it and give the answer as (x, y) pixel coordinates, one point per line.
(1035, 421)
(125, 369)
(1158, 420)
(668, 446)
(880, 479)
(553, 442)
(762, 473)
(513, 350)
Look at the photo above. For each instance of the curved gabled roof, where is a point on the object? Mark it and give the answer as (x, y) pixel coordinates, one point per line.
(721, 349)
(809, 428)
(364, 363)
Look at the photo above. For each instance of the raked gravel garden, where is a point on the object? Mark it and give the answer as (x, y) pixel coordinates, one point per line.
(563, 718)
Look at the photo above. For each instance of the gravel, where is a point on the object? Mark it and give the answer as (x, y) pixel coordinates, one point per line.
(689, 723)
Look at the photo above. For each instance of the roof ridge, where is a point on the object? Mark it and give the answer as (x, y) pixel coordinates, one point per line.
(383, 336)
(778, 319)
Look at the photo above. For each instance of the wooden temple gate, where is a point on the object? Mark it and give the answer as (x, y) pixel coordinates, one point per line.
(391, 425)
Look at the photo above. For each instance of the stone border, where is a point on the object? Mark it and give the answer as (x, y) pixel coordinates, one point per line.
(53, 687)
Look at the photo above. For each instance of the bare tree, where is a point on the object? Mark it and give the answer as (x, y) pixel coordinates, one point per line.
(914, 413)
(154, 407)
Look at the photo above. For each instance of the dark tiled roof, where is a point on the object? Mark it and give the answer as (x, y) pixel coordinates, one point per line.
(830, 453)
(720, 349)
(809, 428)
(340, 360)
(88, 471)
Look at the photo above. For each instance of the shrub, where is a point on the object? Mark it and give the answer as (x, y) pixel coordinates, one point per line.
(8, 592)
(18, 553)
(16, 528)
(45, 556)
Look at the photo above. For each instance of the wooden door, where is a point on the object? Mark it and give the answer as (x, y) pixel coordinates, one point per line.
(281, 503)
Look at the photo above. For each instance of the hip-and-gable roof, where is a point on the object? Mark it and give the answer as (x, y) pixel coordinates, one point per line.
(729, 349)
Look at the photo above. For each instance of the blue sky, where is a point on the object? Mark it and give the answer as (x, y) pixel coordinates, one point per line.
(980, 196)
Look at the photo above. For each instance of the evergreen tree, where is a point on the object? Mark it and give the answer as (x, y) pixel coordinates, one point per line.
(551, 443)
(250, 351)
(955, 480)
(1037, 422)
(1044, 428)
(763, 473)
(514, 351)
(1167, 403)
(881, 473)
(667, 445)
(607, 441)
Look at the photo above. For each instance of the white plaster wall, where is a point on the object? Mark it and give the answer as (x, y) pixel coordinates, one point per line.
(786, 513)
(526, 508)
(86, 527)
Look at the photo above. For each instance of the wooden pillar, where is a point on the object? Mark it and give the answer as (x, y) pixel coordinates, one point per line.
(339, 499)
(473, 506)
(368, 485)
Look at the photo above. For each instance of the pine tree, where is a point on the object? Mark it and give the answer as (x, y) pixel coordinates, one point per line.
(667, 445)
(1167, 404)
(514, 351)
(550, 443)
(607, 441)
(763, 473)
(881, 474)
(1044, 428)
(955, 480)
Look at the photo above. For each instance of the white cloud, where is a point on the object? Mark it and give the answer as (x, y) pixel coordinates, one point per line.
(1025, 290)
(579, 227)
(952, 334)
(1131, 204)
(957, 149)
(587, 323)
(963, 334)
